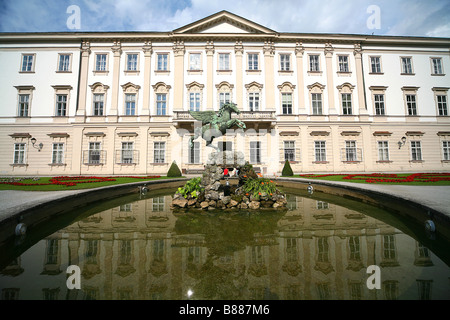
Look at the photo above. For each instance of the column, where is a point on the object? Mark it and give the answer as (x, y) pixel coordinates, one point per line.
(269, 52)
(299, 50)
(178, 51)
(330, 83)
(209, 75)
(239, 51)
(357, 52)
(147, 48)
(117, 52)
(82, 90)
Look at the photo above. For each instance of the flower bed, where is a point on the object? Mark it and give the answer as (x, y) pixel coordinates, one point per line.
(72, 181)
(387, 178)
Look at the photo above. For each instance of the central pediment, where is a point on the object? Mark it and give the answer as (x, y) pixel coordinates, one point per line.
(224, 22)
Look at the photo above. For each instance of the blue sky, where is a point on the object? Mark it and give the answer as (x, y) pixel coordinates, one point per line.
(396, 17)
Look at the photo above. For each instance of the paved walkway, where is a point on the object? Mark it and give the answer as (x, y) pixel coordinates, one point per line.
(434, 197)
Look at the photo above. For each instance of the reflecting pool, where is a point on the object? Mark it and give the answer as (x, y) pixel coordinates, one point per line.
(137, 247)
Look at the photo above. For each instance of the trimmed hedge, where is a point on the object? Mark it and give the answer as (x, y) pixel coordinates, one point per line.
(174, 171)
(287, 170)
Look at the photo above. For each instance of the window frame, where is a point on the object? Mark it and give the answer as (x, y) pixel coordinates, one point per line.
(416, 150)
(19, 155)
(289, 150)
(316, 63)
(164, 65)
(58, 153)
(346, 63)
(383, 150)
(31, 67)
(159, 152)
(253, 61)
(69, 63)
(255, 152)
(371, 64)
(403, 65)
(441, 66)
(98, 64)
(320, 151)
(136, 63)
(221, 64)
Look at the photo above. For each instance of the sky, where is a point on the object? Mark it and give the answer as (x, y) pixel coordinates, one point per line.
(384, 17)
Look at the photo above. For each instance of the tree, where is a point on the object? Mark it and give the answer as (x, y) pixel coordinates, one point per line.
(174, 171)
(287, 170)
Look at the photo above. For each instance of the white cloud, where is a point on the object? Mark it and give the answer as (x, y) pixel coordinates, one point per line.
(406, 17)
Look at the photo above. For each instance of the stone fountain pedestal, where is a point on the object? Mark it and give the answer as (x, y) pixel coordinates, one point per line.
(221, 192)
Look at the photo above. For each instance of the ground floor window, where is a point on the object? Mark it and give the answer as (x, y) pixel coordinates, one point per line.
(58, 153)
(289, 150)
(446, 150)
(159, 152)
(350, 151)
(94, 152)
(127, 152)
(194, 153)
(383, 151)
(255, 152)
(320, 151)
(416, 151)
(19, 153)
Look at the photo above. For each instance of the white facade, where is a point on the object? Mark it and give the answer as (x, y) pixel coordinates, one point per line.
(326, 103)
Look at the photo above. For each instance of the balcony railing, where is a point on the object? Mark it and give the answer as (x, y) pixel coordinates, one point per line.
(126, 156)
(244, 115)
(94, 157)
(351, 155)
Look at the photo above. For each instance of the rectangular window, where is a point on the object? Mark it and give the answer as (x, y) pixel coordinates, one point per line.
(314, 63)
(224, 98)
(130, 104)
(19, 153)
(416, 151)
(407, 65)
(286, 103)
(285, 62)
(252, 61)
(64, 62)
(379, 104)
(446, 150)
(58, 153)
(194, 101)
(24, 104)
(383, 151)
(61, 105)
(375, 64)
(253, 101)
(255, 151)
(289, 150)
(442, 105)
(159, 152)
(163, 59)
(98, 104)
(27, 63)
(316, 99)
(225, 145)
(411, 104)
(100, 63)
(350, 151)
(224, 61)
(343, 64)
(161, 99)
(127, 152)
(94, 152)
(194, 153)
(194, 61)
(436, 65)
(320, 151)
(346, 103)
(132, 62)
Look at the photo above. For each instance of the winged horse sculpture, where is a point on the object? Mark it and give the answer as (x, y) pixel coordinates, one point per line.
(215, 124)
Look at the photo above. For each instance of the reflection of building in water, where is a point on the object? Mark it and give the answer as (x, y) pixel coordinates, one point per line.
(317, 250)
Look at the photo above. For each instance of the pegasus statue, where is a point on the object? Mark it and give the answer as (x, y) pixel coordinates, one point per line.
(215, 125)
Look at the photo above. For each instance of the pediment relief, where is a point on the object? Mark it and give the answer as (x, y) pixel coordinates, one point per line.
(224, 22)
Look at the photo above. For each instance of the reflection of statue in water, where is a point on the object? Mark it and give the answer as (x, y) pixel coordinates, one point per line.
(215, 125)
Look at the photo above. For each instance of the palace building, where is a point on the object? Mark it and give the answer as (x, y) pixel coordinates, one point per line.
(117, 103)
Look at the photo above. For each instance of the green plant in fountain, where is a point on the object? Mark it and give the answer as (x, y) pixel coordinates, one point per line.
(191, 188)
(259, 187)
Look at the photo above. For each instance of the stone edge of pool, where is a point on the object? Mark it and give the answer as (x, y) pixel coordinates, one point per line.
(47, 204)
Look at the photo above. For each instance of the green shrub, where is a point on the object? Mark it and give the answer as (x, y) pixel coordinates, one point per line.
(191, 188)
(174, 171)
(287, 170)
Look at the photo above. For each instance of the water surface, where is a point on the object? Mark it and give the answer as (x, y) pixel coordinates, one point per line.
(136, 247)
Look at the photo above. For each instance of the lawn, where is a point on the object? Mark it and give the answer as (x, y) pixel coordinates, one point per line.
(68, 183)
(422, 179)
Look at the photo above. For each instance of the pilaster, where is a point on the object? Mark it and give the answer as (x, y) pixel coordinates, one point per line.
(84, 70)
(178, 51)
(209, 74)
(269, 53)
(148, 51)
(117, 52)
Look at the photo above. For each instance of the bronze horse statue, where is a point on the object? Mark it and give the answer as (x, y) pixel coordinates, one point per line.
(215, 125)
